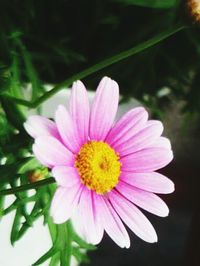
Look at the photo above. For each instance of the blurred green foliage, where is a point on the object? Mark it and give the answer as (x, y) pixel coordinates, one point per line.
(48, 41)
(152, 3)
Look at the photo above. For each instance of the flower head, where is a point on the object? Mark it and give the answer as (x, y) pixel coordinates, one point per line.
(104, 170)
(193, 7)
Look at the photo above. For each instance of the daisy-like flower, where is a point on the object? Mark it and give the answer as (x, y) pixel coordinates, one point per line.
(104, 170)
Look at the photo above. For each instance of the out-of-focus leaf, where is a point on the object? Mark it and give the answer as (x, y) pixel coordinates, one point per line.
(4, 128)
(15, 142)
(28, 165)
(9, 171)
(5, 78)
(31, 73)
(151, 3)
(13, 114)
(15, 85)
(1, 206)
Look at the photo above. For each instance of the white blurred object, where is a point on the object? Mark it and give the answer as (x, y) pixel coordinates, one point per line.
(36, 240)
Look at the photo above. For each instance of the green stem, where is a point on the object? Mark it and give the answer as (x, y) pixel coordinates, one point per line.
(64, 239)
(68, 243)
(34, 185)
(103, 64)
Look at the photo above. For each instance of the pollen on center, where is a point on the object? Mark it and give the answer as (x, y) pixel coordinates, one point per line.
(98, 166)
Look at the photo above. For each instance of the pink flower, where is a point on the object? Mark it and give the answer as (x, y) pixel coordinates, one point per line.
(104, 170)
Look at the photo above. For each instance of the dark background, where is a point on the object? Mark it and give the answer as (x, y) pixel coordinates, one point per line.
(48, 41)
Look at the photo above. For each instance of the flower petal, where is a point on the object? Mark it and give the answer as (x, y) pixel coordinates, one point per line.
(146, 160)
(93, 232)
(152, 182)
(146, 136)
(104, 109)
(37, 126)
(67, 129)
(146, 200)
(52, 152)
(65, 176)
(64, 202)
(80, 109)
(133, 217)
(112, 223)
(161, 142)
(129, 125)
(40, 156)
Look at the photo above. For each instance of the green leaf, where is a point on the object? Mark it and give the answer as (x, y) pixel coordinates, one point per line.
(13, 113)
(15, 85)
(50, 253)
(31, 164)
(31, 73)
(152, 3)
(9, 171)
(79, 255)
(82, 243)
(5, 78)
(15, 227)
(17, 203)
(55, 260)
(1, 206)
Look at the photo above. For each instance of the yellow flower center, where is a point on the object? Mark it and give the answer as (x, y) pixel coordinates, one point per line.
(98, 166)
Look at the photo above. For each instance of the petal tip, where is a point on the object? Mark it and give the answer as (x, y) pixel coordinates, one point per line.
(128, 245)
(171, 187)
(165, 213)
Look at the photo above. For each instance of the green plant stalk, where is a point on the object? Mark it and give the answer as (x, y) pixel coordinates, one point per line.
(27, 186)
(68, 244)
(99, 66)
(15, 81)
(31, 72)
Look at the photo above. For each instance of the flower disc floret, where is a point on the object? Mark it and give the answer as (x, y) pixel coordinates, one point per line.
(98, 166)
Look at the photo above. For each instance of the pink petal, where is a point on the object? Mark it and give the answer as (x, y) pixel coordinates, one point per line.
(52, 152)
(64, 202)
(91, 227)
(66, 176)
(112, 223)
(146, 200)
(133, 217)
(153, 182)
(37, 126)
(80, 110)
(146, 160)
(161, 142)
(40, 156)
(151, 132)
(104, 109)
(129, 125)
(67, 129)
(77, 223)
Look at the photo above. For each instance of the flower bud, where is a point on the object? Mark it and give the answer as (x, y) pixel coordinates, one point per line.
(37, 175)
(193, 8)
